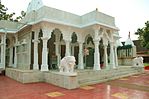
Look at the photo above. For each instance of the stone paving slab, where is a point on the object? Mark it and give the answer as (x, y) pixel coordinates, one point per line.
(11, 89)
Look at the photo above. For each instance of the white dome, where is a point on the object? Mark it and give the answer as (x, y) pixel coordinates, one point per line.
(34, 5)
(129, 42)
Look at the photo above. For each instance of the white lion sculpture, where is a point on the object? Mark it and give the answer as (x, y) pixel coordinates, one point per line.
(67, 64)
(138, 61)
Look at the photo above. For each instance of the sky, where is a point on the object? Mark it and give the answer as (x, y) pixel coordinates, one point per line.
(129, 14)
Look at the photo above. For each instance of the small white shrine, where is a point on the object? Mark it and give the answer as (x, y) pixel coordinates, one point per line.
(126, 52)
(31, 49)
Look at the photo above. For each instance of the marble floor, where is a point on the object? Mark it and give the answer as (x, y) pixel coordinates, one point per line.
(133, 87)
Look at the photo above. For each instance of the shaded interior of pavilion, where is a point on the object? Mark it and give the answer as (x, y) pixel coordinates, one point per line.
(53, 52)
(57, 38)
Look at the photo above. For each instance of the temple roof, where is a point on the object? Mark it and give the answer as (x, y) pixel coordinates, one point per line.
(38, 12)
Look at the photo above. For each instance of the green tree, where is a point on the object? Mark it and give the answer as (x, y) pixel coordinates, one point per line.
(20, 17)
(5, 16)
(144, 35)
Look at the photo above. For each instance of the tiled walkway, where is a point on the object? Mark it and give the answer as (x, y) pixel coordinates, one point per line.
(134, 87)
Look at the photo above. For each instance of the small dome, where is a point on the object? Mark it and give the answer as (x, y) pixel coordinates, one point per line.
(34, 5)
(129, 41)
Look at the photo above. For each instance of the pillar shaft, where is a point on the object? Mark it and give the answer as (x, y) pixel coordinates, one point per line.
(35, 65)
(44, 66)
(116, 59)
(96, 56)
(3, 50)
(112, 59)
(15, 55)
(10, 56)
(80, 66)
(105, 57)
(67, 53)
(57, 53)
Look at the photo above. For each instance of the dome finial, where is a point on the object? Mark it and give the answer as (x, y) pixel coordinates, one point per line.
(129, 41)
(96, 9)
(129, 35)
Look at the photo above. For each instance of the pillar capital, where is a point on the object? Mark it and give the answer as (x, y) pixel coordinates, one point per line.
(46, 33)
(80, 42)
(105, 45)
(44, 38)
(111, 43)
(96, 42)
(35, 40)
(67, 40)
(35, 28)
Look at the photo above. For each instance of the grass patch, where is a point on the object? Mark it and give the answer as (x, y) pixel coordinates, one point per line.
(146, 64)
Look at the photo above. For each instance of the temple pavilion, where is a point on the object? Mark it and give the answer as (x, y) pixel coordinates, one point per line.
(45, 35)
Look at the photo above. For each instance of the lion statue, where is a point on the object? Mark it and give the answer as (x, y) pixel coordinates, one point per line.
(67, 64)
(138, 61)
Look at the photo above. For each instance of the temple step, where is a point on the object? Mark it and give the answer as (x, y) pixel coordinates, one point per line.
(86, 77)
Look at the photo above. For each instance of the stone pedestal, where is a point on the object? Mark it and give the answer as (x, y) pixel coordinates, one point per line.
(64, 80)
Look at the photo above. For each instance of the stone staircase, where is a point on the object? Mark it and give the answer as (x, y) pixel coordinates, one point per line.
(86, 77)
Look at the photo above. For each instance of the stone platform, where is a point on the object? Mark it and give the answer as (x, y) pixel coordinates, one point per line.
(25, 76)
(87, 77)
(68, 81)
(83, 77)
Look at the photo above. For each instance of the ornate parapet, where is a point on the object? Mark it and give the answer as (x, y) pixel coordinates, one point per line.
(62, 79)
(126, 54)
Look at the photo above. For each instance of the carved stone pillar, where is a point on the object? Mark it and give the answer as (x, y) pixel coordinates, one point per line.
(96, 56)
(2, 45)
(44, 65)
(3, 50)
(67, 53)
(112, 59)
(57, 46)
(105, 57)
(72, 49)
(115, 54)
(35, 65)
(36, 41)
(80, 65)
(15, 55)
(10, 56)
(57, 53)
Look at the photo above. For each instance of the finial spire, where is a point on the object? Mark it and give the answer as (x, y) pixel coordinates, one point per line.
(129, 35)
(96, 9)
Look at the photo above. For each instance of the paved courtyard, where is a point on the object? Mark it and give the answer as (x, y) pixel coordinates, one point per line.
(133, 87)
